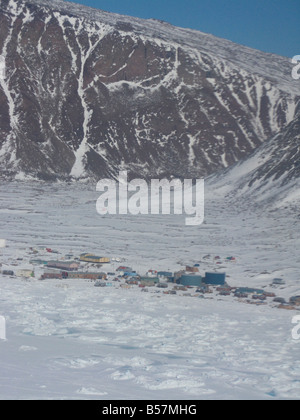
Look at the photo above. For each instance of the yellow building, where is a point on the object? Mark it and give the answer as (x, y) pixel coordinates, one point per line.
(25, 273)
(91, 258)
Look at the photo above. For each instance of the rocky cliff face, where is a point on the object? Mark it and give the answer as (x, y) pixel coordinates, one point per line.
(86, 92)
(270, 176)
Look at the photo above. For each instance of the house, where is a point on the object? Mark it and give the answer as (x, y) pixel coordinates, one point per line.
(51, 275)
(100, 284)
(249, 291)
(91, 258)
(151, 273)
(192, 269)
(287, 307)
(162, 285)
(203, 289)
(279, 282)
(190, 280)
(259, 297)
(295, 300)
(224, 293)
(178, 274)
(130, 274)
(269, 295)
(279, 300)
(224, 289)
(64, 265)
(149, 281)
(72, 275)
(38, 262)
(125, 286)
(181, 288)
(8, 273)
(132, 282)
(241, 295)
(83, 275)
(215, 279)
(165, 276)
(123, 269)
(25, 273)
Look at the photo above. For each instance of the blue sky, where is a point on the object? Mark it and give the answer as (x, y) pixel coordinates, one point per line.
(268, 25)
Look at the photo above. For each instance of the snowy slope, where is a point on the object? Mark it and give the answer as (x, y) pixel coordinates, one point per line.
(270, 176)
(69, 340)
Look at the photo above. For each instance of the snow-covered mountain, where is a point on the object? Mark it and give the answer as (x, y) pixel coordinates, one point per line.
(86, 91)
(270, 176)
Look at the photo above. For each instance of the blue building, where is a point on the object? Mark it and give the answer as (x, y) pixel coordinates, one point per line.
(215, 279)
(166, 274)
(130, 274)
(190, 280)
(248, 290)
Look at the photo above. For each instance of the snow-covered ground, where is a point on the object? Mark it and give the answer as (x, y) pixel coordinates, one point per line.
(69, 340)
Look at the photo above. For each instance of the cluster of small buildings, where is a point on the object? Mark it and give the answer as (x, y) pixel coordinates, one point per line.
(186, 278)
(191, 277)
(70, 267)
(211, 282)
(64, 269)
